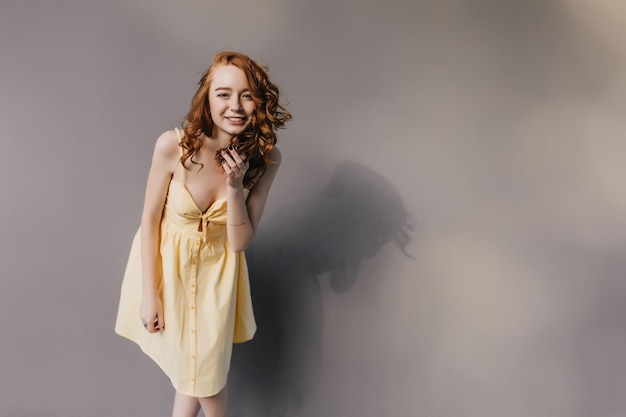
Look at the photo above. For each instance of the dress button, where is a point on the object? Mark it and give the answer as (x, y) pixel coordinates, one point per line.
(193, 307)
(193, 331)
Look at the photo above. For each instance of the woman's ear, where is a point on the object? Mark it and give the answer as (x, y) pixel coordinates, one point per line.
(343, 277)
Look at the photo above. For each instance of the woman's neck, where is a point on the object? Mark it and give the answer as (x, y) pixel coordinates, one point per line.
(215, 142)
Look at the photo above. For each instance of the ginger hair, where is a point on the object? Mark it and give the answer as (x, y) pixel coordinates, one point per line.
(259, 138)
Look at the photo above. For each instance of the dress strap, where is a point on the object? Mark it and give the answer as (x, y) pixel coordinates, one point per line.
(183, 173)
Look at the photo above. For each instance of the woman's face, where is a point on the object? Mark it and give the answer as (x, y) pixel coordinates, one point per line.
(230, 101)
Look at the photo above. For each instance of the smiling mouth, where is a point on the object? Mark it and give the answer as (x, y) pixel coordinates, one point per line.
(236, 119)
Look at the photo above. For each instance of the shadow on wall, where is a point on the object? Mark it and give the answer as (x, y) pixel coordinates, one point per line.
(276, 374)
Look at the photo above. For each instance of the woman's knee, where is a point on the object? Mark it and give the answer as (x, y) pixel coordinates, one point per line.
(216, 405)
(185, 406)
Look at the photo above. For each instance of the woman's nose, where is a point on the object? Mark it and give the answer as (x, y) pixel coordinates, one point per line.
(235, 104)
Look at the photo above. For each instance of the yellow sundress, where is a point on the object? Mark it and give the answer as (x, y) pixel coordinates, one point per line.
(204, 290)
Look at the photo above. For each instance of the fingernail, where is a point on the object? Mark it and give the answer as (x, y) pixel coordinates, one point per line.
(223, 152)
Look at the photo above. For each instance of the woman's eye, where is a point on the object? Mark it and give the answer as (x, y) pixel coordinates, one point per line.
(222, 95)
(247, 96)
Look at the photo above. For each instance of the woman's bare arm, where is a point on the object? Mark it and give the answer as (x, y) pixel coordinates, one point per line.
(245, 216)
(164, 161)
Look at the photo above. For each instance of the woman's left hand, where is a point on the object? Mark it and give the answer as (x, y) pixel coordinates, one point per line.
(235, 167)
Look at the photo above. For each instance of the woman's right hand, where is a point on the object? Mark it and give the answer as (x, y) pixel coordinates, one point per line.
(151, 314)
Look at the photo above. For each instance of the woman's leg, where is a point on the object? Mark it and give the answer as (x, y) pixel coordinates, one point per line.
(216, 405)
(185, 406)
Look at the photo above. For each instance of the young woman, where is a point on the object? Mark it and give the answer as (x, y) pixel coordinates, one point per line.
(185, 297)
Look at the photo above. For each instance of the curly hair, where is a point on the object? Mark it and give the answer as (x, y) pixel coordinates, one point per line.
(259, 138)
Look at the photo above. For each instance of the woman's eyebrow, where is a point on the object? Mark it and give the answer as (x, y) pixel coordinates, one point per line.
(230, 89)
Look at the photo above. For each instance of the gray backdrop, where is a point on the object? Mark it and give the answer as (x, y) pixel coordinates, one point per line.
(500, 123)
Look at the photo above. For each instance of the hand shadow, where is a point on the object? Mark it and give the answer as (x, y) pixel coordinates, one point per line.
(277, 372)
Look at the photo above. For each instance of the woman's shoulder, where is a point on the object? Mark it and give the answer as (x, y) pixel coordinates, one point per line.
(275, 156)
(167, 144)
